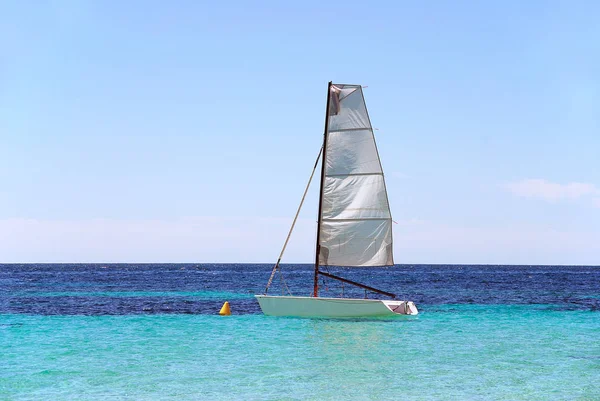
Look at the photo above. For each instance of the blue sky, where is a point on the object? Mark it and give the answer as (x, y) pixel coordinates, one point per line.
(185, 132)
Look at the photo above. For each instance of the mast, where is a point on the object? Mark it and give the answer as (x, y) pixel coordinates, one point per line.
(324, 160)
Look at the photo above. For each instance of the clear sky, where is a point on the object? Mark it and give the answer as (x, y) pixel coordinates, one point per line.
(154, 131)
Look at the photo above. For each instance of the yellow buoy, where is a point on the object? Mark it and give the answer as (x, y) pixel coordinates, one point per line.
(225, 310)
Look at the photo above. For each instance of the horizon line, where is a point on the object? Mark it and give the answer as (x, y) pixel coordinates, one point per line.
(294, 263)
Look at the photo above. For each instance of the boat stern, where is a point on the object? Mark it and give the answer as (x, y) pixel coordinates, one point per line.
(402, 307)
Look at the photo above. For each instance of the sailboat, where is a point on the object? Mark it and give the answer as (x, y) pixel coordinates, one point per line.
(354, 227)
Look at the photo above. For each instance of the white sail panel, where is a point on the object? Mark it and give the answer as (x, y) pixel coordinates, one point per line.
(352, 153)
(355, 197)
(356, 243)
(355, 215)
(347, 109)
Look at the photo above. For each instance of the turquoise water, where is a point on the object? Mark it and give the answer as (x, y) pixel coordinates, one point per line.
(151, 332)
(448, 352)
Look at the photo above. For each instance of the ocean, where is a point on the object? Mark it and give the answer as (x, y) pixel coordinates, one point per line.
(152, 332)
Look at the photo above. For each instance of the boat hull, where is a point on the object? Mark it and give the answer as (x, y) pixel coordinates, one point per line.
(333, 307)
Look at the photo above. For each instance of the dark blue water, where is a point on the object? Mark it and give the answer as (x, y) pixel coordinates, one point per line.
(119, 289)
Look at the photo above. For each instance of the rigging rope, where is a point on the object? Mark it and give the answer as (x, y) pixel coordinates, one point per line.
(276, 267)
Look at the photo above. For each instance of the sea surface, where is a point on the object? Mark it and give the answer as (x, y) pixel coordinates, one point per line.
(152, 332)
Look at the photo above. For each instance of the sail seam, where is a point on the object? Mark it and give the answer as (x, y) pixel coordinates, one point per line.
(363, 219)
(351, 174)
(350, 129)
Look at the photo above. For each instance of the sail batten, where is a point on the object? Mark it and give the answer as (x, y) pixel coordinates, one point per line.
(355, 217)
(352, 174)
(365, 219)
(346, 130)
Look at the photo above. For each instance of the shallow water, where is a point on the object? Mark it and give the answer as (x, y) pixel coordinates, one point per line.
(144, 332)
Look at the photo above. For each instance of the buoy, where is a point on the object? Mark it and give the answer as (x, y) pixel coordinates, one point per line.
(225, 310)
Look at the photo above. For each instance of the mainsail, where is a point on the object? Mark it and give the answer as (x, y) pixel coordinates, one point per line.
(356, 224)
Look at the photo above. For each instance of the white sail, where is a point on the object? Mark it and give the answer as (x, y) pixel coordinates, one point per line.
(356, 224)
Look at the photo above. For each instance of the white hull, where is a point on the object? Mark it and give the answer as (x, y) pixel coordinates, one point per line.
(333, 307)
